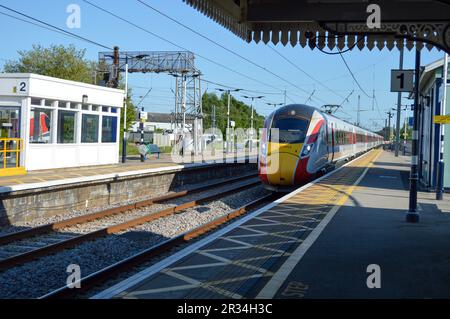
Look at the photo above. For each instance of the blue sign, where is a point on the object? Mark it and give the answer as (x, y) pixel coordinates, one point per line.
(411, 121)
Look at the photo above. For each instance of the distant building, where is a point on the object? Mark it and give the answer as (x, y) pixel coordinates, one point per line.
(431, 92)
(160, 121)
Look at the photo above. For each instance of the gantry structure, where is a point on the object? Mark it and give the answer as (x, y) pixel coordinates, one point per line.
(180, 64)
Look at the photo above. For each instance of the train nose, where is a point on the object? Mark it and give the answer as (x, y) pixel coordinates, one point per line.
(282, 162)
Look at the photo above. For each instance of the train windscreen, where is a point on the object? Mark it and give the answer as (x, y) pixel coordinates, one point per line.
(291, 129)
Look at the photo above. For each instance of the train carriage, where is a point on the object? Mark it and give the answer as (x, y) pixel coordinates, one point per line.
(300, 142)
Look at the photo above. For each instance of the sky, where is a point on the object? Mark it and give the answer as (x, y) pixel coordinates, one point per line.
(371, 68)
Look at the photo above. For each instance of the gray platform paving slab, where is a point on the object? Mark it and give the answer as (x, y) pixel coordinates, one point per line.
(370, 228)
(237, 263)
(339, 228)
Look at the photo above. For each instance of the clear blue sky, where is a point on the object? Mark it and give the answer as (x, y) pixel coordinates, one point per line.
(372, 68)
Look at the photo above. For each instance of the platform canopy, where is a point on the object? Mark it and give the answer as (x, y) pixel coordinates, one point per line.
(334, 23)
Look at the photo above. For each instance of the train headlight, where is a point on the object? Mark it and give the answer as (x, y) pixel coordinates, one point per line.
(307, 149)
(264, 149)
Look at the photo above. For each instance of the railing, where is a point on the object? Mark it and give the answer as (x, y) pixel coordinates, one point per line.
(10, 149)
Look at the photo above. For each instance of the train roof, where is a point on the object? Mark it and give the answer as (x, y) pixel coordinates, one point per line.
(300, 110)
(306, 111)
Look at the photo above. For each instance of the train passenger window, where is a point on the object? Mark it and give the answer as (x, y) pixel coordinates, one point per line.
(291, 129)
(330, 135)
(40, 126)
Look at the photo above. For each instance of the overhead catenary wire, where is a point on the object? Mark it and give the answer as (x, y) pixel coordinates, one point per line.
(357, 71)
(340, 53)
(303, 71)
(221, 46)
(177, 45)
(144, 97)
(233, 88)
(378, 108)
(32, 23)
(354, 77)
(347, 97)
(54, 28)
(57, 28)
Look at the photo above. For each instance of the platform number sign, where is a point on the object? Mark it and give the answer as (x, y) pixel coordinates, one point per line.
(21, 87)
(402, 80)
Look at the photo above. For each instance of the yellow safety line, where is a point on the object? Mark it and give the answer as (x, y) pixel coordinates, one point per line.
(324, 193)
(352, 188)
(274, 284)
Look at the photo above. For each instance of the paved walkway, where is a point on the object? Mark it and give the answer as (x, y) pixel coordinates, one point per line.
(42, 178)
(370, 228)
(317, 243)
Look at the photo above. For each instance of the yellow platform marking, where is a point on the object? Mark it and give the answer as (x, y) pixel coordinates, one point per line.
(12, 171)
(276, 281)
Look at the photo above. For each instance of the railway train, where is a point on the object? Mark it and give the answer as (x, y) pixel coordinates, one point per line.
(300, 142)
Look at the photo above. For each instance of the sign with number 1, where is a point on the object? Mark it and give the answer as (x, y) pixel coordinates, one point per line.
(402, 80)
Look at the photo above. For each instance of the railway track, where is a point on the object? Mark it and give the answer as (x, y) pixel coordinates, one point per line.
(24, 246)
(99, 277)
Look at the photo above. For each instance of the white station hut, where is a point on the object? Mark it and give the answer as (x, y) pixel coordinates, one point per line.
(48, 123)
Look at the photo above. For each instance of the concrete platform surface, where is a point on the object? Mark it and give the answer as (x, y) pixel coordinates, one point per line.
(370, 229)
(133, 166)
(321, 241)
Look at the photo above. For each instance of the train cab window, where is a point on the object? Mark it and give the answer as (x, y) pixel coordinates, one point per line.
(291, 129)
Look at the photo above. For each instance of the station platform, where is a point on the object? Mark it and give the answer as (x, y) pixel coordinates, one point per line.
(49, 193)
(316, 242)
(65, 176)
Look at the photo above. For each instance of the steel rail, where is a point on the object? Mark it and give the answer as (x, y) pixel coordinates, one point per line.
(106, 273)
(44, 229)
(64, 244)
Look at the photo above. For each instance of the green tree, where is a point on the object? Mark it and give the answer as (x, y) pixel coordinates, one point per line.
(131, 111)
(239, 112)
(57, 61)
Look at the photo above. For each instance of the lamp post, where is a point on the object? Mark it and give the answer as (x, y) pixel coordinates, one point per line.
(390, 115)
(412, 215)
(228, 113)
(251, 124)
(274, 104)
(443, 111)
(398, 110)
(124, 139)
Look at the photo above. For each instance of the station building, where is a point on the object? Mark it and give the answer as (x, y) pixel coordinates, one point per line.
(48, 123)
(431, 93)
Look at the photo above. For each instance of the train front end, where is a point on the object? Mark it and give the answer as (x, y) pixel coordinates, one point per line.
(287, 143)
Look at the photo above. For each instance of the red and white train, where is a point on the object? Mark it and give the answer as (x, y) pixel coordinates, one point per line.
(300, 142)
